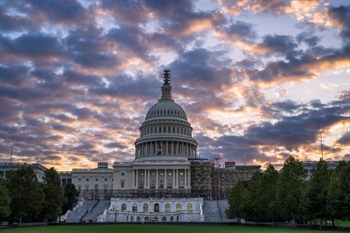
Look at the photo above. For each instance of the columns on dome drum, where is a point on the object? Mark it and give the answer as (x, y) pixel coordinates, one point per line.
(166, 148)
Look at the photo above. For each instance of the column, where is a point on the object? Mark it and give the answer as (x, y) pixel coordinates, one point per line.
(173, 178)
(133, 179)
(165, 180)
(157, 179)
(188, 178)
(167, 148)
(137, 178)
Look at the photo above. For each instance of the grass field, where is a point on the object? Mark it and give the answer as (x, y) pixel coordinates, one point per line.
(150, 228)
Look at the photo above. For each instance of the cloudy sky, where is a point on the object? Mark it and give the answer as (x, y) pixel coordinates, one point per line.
(260, 80)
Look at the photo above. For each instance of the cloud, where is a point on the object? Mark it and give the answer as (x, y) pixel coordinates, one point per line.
(340, 17)
(344, 139)
(303, 66)
(39, 48)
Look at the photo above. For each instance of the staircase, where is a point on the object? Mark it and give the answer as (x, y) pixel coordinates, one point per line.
(211, 211)
(101, 206)
(80, 212)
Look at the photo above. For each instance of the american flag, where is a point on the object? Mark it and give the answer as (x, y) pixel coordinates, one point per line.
(159, 150)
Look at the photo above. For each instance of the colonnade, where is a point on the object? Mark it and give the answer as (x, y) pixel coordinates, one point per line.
(161, 178)
(165, 148)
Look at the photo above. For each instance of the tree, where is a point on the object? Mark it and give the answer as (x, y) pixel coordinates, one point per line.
(317, 193)
(26, 193)
(253, 205)
(267, 194)
(344, 190)
(72, 195)
(54, 197)
(290, 187)
(237, 200)
(5, 200)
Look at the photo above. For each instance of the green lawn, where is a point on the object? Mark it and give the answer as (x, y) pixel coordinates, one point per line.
(150, 228)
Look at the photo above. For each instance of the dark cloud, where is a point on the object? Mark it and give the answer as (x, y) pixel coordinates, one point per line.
(341, 17)
(242, 30)
(15, 22)
(300, 67)
(291, 132)
(13, 74)
(344, 139)
(309, 39)
(169, 8)
(278, 44)
(39, 48)
(66, 12)
(115, 145)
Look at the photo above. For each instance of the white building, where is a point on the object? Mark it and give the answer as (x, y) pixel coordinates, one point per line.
(156, 186)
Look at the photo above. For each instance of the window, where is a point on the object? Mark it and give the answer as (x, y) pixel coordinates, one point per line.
(167, 208)
(134, 207)
(79, 179)
(156, 207)
(122, 184)
(105, 179)
(96, 179)
(178, 207)
(170, 184)
(86, 187)
(153, 184)
(181, 184)
(145, 208)
(122, 173)
(96, 187)
(161, 184)
(87, 179)
(141, 184)
(123, 207)
(189, 206)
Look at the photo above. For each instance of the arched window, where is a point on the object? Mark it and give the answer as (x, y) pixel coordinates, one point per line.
(145, 208)
(156, 207)
(87, 187)
(123, 208)
(167, 207)
(189, 206)
(134, 207)
(178, 207)
(96, 188)
(164, 219)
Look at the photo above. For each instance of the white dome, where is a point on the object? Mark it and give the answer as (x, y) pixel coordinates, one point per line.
(166, 108)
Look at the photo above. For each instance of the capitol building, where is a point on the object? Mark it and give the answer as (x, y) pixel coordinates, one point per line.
(167, 181)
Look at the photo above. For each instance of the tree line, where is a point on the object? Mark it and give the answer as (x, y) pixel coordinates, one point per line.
(273, 196)
(24, 199)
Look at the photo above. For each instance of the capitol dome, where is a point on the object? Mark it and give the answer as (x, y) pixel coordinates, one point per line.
(166, 130)
(166, 108)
